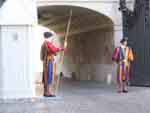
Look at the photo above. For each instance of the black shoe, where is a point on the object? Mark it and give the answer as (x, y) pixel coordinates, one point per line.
(45, 95)
(49, 95)
(125, 91)
(52, 95)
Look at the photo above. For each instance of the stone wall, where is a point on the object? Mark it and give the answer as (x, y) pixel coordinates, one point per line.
(89, 55)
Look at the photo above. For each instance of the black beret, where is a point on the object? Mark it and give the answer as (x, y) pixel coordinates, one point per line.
(123, 40)
(47, 34)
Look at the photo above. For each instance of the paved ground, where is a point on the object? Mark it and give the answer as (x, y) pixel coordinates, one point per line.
(85, 97)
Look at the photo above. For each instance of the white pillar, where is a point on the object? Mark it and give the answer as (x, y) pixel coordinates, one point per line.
(16, 48)
(16, 81)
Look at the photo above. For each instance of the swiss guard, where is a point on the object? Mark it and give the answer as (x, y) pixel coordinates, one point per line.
(123, 55)
(47, 53)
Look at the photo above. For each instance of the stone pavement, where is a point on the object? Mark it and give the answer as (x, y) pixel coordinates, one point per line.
(83, 97)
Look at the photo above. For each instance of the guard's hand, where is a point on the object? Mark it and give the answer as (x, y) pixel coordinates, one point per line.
(62, 49)
(65, 44)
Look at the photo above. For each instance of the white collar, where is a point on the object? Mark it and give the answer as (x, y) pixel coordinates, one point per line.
(48, 40)
(122, 46)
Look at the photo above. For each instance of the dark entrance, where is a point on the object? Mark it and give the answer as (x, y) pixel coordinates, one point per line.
(136, 26)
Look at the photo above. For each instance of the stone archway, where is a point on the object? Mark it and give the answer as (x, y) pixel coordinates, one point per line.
(90, 43)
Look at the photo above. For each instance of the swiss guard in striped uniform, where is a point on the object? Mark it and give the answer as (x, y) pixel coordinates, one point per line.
(123, 55)
(47, 53)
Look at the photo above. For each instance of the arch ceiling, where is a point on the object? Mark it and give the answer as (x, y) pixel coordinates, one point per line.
(83, 19)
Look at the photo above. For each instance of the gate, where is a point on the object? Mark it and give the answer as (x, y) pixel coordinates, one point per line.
(136, 26)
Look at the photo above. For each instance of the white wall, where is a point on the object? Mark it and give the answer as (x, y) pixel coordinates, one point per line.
(16, 76)
(18, 12)
(17, 22)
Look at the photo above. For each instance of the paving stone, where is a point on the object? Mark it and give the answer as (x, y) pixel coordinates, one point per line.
(85, 97)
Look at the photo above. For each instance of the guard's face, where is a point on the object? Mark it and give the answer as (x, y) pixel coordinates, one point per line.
(49, 39)
(125, 43)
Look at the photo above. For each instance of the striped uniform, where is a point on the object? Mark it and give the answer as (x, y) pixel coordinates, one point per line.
(123, 56)
(48, 50)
